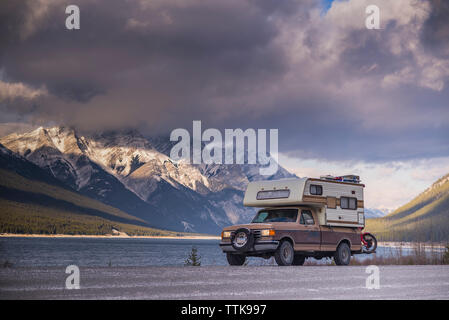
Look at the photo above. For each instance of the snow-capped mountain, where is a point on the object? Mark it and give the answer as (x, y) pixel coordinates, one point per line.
(136, 174)
(376, 213)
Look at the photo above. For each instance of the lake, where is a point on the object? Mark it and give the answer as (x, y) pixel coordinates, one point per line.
(121, 252)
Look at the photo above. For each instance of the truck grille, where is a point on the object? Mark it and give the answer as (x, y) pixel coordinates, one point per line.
(257, 234)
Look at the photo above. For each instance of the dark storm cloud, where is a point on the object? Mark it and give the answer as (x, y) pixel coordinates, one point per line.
(204, 42)
(436, 29)
(12, 15)
(330, 89)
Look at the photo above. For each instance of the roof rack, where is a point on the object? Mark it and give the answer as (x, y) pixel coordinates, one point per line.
(348, 178)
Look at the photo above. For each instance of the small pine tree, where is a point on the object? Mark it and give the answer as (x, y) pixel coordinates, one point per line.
(193, 258)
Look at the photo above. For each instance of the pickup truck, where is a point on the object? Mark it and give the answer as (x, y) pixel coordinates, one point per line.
(290, 234)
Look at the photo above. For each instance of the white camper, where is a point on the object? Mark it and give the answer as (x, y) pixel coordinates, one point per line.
(339, 200)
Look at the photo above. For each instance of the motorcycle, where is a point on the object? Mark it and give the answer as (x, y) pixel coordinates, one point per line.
(369, 242)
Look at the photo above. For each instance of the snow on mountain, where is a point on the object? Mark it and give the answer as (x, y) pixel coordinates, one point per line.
(237, 176)
(136, 174)
(131, 158)
(127, 156)
(56, 150)
(376, 213)
(221, 176)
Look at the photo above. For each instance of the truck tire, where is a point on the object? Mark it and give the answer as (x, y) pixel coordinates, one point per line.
(235, 259)
(299, 260)
(342, 256)
(284, 254)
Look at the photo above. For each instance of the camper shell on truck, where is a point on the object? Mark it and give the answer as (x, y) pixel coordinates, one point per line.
(300, 218)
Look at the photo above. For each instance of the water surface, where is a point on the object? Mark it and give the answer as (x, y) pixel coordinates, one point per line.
(122, 252)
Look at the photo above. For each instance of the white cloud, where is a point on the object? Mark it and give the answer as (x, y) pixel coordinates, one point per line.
(317, 46)
(19, 90)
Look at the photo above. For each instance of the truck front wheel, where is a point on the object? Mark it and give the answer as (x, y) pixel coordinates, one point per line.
(284, 254)
(342, 256)
(235, 259)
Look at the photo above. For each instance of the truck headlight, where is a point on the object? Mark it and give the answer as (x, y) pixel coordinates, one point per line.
(226, 234)
(267, 233)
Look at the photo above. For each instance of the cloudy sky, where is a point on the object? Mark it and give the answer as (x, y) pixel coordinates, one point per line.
(344, 98)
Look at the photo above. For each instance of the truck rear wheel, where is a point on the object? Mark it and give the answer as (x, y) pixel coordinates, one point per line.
(299, 260)
(235, 259)
(342, 256)
(284, 254)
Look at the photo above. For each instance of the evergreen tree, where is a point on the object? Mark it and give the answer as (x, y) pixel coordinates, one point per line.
(193, 259)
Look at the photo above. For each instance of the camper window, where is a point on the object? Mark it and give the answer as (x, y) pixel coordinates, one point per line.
(353, 203)
(348, 203)
(273, 194)
(316, 189)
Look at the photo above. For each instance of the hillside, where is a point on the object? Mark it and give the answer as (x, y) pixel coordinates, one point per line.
(425, 218)
(32, 201)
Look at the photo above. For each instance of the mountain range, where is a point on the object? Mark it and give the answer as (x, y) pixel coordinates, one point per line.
(60, 180)
(134, 174)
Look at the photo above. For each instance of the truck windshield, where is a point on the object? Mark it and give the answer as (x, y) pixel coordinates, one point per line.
(276, 215)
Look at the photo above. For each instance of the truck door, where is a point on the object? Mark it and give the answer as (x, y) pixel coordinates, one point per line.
(308, 237)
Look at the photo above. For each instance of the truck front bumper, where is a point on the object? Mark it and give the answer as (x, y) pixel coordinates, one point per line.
(259, 246)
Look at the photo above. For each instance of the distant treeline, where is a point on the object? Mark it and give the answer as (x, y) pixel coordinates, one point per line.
(36, 207)
(22, 218)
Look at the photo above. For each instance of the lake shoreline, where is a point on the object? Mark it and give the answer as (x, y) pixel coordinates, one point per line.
(411, 244)
(15, 235)
(391, 244)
